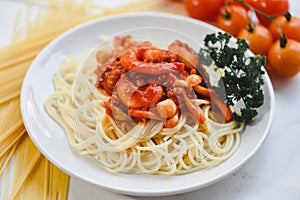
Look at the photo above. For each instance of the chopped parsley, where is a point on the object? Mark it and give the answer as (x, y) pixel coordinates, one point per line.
(243, 75)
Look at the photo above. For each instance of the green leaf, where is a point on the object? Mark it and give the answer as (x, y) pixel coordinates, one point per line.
(243, 74)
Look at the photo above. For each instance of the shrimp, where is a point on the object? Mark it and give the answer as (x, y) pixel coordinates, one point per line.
(151, 61)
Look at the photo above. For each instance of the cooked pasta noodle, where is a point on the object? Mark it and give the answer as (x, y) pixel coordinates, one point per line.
(147, 147)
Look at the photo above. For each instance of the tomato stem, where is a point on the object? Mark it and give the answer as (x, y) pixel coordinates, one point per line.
(256, 10)
(250, 28)
(283, 41)
(227, 14)
(271, 18)
(287, 16)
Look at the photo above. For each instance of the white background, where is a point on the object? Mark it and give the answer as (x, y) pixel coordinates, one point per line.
(272, 173)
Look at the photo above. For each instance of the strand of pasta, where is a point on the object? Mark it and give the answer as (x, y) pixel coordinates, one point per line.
(37, 182)
(11, 108)
(58, 184)
(10, 96)
(26, 172)
(6, 184)
(10, 91)
(34, 179)
(6, 158)
(26, 46)
(11, 82)
(14, 73)
(11, 141)
(10, 62)
(26, 159)
(17, 126)
(11, 128)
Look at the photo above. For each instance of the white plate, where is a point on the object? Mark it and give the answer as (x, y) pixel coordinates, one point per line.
(51, 140)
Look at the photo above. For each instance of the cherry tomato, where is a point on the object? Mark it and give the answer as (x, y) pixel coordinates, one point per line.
(290, 28)
(233, 19)
(258, 37)
(204, 9)
(285, 62)
(270, 7)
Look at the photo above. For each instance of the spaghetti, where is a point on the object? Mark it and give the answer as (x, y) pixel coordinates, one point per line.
(127, 137)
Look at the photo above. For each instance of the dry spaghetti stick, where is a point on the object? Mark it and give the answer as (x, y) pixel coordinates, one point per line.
(19, 59)
(11, 130)
(23, 46)
(27, 45)
(10, 91)
(11, 109)
(12, 74)
(6, 184)
(12, 140)
(26, 172)
(36, 184)
(25, 49)
(11, 59)
(10, 96)
(6, 158)
(58, 184)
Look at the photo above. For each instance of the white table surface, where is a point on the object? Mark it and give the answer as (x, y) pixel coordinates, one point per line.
(272, 173)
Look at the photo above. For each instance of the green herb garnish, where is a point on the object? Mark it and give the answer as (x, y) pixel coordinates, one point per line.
(242, 78)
